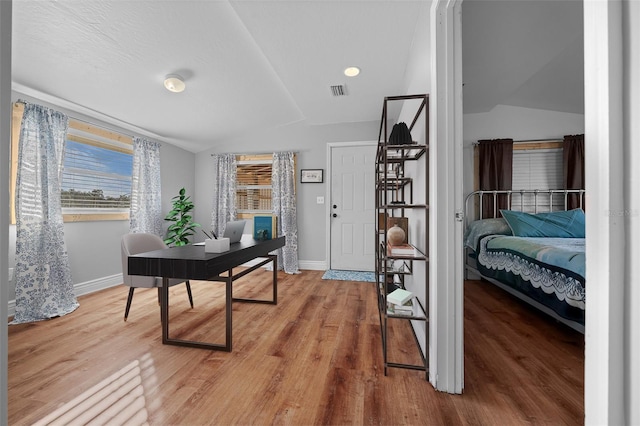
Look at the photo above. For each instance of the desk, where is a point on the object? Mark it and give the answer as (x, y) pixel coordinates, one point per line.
(192, 263)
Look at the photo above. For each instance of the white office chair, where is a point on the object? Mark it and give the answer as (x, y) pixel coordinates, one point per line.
(140, 243)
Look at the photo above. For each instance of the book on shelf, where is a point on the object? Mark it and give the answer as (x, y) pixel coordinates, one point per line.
(407, 309)
(402, 250)
(264, 227)
(399, 297)
(382, 218)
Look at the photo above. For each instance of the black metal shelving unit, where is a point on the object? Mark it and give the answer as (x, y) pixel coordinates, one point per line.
(395, 196)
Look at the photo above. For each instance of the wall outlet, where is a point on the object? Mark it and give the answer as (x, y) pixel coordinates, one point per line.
(319, 200)
(10, 274)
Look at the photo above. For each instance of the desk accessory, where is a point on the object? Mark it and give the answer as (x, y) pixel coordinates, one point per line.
(219, 245)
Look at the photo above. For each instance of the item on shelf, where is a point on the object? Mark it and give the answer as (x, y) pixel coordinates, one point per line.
(407, 308)
(399, 296)
(391, 285)
(382, 217)
(402, 250)
(402, 223)
(400, 134)
(395, 235)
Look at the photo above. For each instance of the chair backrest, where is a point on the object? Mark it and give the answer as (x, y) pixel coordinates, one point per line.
(138, 243)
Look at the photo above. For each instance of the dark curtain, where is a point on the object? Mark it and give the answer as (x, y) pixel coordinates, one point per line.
(573, 167)
(496, 165)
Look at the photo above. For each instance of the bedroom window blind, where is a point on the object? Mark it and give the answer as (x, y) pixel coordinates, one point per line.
(537, 169)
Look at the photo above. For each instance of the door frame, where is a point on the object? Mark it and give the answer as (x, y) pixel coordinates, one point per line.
(604, 387)
(446, 318)
(330, 147)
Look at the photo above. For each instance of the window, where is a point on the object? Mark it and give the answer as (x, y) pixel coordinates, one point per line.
(253, 191)
(537, 166)
(96, 177)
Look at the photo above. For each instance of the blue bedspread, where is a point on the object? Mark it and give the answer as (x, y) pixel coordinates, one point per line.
(553, 265)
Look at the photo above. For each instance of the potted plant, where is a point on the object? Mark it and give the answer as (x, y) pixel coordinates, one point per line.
(183, 225)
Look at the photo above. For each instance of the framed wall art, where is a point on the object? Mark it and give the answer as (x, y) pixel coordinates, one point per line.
(311, 175)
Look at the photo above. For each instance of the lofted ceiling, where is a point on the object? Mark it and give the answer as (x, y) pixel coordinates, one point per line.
(262, 64)
(524, 53)
(248, 65)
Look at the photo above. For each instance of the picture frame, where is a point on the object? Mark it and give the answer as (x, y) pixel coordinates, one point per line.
(311, 175)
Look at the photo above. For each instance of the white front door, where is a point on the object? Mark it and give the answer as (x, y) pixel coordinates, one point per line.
(351, 207)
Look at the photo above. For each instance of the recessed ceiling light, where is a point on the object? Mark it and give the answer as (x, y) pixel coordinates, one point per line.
(351, 71)
(174, 83)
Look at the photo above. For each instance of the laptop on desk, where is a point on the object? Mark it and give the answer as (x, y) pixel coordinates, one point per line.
(234, 230)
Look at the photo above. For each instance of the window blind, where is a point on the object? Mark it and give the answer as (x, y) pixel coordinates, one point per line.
(537, 169)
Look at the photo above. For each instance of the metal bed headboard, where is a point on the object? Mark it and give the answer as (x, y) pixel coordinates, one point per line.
(531, 200)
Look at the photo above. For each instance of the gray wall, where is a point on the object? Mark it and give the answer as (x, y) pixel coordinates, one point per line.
(310, 143)
(94, 247)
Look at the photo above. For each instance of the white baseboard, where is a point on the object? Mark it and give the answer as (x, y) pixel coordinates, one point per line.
(114, 280)
(97, 284)
(312, 265)
(81, 289)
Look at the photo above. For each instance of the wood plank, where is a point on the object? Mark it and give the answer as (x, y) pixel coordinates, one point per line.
(315, 358)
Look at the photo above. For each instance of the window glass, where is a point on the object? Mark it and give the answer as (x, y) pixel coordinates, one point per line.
(95, 178)
(253, 191)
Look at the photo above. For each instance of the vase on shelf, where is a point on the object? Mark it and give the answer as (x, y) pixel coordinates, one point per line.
(395, 235)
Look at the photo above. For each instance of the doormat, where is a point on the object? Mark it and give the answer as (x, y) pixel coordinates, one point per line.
(335, 274)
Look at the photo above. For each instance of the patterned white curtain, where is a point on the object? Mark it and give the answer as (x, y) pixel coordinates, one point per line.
(283, 193)
(146, 203)
(44, 288)
(224, 191)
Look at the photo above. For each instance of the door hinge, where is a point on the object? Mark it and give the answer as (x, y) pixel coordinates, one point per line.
(459, 215)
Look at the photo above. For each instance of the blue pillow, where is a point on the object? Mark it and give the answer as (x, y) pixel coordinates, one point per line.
(563, 224)
(484, 227)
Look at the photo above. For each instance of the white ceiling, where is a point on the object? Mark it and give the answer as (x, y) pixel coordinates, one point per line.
(252, 65)
(524, 53)
(248, 65)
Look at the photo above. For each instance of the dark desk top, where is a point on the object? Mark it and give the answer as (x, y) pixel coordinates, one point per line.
(191, 262)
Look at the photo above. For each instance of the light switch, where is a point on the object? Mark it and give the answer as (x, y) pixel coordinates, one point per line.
(320, 200)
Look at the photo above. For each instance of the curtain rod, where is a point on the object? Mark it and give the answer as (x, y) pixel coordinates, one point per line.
(530, 140)
(21, 101)
(250, 153)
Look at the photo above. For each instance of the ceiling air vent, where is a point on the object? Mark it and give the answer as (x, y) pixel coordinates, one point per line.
(338, 90)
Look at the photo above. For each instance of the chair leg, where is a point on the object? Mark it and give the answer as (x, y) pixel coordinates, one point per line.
(189, 293)
(129, 299)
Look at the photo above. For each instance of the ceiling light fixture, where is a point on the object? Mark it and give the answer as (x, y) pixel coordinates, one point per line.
(174, 83)
(352, 71)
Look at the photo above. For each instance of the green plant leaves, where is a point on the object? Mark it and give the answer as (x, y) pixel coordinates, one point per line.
(183, 227)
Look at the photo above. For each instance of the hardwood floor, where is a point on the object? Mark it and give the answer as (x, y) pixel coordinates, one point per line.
(315, 358)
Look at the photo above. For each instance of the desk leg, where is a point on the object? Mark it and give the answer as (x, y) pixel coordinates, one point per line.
(271, 258)
(164, 317)
(164, 309)
(274, 259)
(229, 308)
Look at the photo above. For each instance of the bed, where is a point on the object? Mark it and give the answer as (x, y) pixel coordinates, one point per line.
(534, 248)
